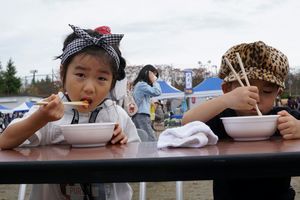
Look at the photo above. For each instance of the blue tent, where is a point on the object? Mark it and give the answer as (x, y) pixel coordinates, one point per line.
(208, 88)
(23, 107)
(168, 91)
(4, 109)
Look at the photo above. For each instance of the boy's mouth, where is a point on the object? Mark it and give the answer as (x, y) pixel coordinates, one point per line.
(253, 111)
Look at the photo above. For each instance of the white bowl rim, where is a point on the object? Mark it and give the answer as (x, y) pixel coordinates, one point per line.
(88, 124)
(251, 117)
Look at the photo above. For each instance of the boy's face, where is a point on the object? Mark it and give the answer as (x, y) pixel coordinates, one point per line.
(267, 95)
(88, 78)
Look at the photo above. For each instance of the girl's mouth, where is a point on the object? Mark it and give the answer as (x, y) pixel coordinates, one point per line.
(88, 101)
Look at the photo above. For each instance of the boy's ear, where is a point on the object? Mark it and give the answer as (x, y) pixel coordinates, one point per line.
(279, 92)
(226, 87)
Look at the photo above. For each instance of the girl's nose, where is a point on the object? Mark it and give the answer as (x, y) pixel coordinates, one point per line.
(88, 87)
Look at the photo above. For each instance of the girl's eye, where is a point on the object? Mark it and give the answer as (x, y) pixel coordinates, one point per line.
(102, 78)
(81, 75)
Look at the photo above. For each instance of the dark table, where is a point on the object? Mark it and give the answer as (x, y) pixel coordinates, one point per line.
(138, 162)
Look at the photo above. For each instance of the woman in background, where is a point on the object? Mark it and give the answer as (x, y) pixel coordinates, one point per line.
(145, 87)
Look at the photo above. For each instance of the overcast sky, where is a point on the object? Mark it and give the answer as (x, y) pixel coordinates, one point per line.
(179, 33)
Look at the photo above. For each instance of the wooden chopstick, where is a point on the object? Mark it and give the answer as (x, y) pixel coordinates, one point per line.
(242, 68)
(246, 79)
(234, 72)
(74, 103)
(238, 77)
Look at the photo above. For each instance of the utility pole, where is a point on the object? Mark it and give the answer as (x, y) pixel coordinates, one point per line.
(52, 76)
(33, 73)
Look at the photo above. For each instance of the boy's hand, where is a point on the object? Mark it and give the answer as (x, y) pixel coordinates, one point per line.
(242, 98)
(119, 136)
(288, 125)
(54, 110)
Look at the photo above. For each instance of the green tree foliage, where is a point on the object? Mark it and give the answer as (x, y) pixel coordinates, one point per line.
(44, 87)
(292, 85)
(10, 84)
(1, 80)
(198, 76)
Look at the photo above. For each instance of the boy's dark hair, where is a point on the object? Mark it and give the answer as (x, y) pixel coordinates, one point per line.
(118, 73)
(144, 74)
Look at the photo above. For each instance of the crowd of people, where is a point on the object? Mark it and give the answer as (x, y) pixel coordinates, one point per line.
(6, 118)
(293, 103)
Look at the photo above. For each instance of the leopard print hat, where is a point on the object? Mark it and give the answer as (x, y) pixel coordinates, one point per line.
(260, 61)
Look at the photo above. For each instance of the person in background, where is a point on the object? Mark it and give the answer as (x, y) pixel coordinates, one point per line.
(298, 103)
(292, 103)
(266, 69)
(152, 111)
(118, 93)
(145, 87)
(90, 65)
(159, 112)
(1, 122)
(159, 119)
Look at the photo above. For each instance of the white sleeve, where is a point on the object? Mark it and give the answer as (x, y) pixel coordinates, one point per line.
(36, 138)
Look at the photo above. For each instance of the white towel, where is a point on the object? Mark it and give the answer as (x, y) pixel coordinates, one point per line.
(193, 134)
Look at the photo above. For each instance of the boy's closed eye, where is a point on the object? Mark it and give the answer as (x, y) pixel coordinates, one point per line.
(267, 91)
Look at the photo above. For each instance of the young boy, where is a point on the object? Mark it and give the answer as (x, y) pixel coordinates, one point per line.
(266, 69)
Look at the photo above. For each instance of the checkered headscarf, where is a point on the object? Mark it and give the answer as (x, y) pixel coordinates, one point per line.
(85, 40)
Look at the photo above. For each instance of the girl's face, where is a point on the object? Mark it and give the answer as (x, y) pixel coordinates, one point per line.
(88, 78)
(267, 95)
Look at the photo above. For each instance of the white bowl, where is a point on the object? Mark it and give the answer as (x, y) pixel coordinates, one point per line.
(248, 128)
(88, 135)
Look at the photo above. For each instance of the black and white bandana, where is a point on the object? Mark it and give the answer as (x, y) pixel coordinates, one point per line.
(85, 40)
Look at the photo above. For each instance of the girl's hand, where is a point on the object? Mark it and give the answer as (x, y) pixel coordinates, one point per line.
(54, 110)
(119, 136)
(288, 126)
(152, 77)
(242, 98)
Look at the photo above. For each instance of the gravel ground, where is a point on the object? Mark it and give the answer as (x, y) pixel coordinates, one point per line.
(161, 190)
(200, 190)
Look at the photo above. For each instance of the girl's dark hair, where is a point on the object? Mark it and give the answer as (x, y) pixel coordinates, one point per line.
(118, 74)
(144, 74)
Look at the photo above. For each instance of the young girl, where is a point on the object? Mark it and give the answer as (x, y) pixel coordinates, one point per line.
(266, 69)
(91, 64)
(145, 87)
